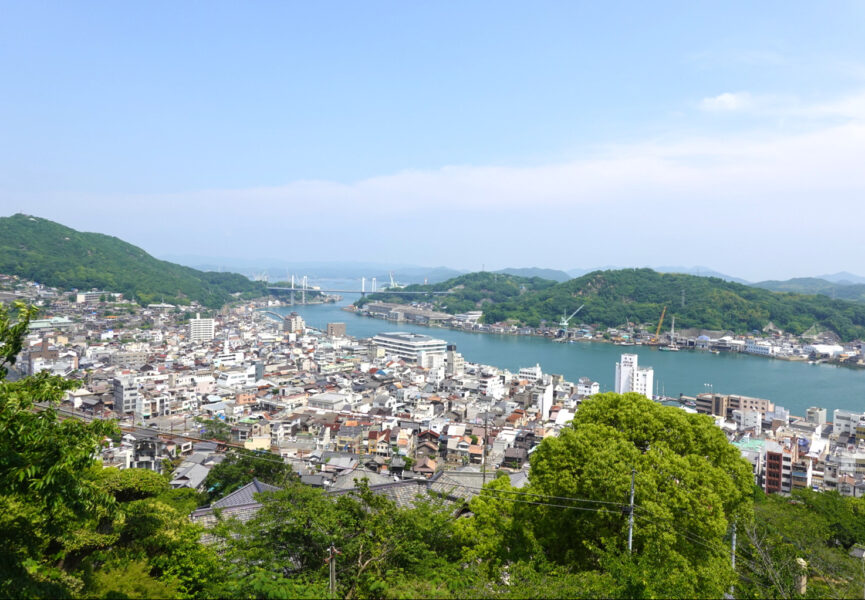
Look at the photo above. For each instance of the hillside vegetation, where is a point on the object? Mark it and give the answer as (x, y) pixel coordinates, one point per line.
(471, 292)
(59, 256)
(612, 298)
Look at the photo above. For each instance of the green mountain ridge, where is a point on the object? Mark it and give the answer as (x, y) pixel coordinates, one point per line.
(612, 298)
(56, 255)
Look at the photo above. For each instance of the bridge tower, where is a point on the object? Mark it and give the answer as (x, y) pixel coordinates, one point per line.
(303, 290)
(292, 290)
(373, 285)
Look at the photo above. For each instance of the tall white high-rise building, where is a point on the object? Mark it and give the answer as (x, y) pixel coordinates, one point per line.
(630, 377)
(201, 330)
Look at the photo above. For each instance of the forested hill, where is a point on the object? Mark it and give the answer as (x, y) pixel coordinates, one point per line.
(473, 291)
(612, 298)
(55, 255)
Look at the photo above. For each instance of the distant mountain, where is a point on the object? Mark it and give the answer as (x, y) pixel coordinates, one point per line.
(843, 277)
(553, 274)
(612, 298)
(59, 256)
(813, 285)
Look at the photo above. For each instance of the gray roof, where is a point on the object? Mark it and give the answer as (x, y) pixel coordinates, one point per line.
(245, 495)
(190, 476)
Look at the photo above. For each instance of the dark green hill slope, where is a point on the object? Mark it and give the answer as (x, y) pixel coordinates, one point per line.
(814, 285)
(612, 298)
(56, 255)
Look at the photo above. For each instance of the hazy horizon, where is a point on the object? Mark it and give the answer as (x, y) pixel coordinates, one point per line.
(486, 135)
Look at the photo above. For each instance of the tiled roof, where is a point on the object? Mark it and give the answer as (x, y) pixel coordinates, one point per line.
(244, 495)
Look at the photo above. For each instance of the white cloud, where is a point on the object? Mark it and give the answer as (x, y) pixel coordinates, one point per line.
(727, 102)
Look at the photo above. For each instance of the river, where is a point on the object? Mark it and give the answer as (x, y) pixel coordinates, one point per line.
(793, 385)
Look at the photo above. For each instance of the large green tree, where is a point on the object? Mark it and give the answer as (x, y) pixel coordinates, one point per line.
(690, 486)
(42, 459)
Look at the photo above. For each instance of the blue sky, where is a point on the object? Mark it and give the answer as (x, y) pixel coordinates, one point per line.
(506, 134)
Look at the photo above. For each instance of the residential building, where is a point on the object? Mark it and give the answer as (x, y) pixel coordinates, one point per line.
(201, 330)
(336, 330)
(630, 377)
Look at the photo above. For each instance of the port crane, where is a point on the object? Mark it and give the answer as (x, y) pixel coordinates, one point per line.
(567, 320)
(660, 322)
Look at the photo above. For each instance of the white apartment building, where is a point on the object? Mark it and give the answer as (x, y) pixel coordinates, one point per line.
(531, 374)
(491, 386)
(126, 394)
(412, 347)
(844, 422)
(630, 377)
(201, 330)
(587, 387)
(748, 419)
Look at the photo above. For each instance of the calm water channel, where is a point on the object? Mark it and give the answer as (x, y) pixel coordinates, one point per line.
(796, 386)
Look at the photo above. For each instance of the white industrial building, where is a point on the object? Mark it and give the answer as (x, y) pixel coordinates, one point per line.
(421, 349)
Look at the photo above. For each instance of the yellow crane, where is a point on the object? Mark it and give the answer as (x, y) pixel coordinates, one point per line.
(660, 322)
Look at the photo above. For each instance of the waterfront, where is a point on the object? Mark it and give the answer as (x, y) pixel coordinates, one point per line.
(794, 385)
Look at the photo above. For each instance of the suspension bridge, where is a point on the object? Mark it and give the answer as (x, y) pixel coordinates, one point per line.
(302, 287)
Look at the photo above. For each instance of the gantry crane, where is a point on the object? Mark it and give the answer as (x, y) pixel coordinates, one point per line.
(660, 322)
(567, 320)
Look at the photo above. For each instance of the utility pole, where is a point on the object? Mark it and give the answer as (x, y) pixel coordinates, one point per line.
(733, 556)
(484, 455)
(631, 514)
(331, 561)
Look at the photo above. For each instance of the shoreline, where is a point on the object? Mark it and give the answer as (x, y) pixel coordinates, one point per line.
(795, 359)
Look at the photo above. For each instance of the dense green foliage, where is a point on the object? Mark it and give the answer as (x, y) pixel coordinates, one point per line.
(819, 528)
(55, 255)
(813, 285)
(614, 298)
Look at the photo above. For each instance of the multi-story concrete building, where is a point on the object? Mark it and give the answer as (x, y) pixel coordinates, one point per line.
(336, 330)
(201, 330)
(723, 405)
(454, 361)
(816, 415)
(844, 422)
(125, 394)
(630, 377)
(293, 323)
(587, 387)
(412, 347)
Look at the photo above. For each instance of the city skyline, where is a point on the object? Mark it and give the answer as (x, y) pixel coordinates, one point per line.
(496, 135)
